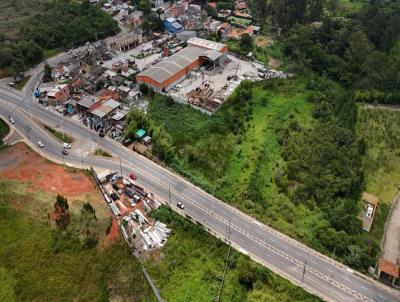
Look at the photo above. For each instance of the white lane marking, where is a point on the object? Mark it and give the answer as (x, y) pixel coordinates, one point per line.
(257, 223)
(382, 296)
(363, 287)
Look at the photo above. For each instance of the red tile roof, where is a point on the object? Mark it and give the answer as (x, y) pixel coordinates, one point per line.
(389, 268)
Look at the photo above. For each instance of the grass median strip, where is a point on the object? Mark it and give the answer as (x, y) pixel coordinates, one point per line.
(100, 152)
(61, 136)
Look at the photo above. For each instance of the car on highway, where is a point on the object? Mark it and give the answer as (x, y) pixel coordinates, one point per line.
(180, 205)
(40, 144)
(64, 152)
(11, 120)
(66, 146)
(132, 176)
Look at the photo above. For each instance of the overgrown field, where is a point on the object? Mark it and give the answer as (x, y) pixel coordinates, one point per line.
(39, 262)
(190, 267)
(380, 132)
(14, 12)
(277, 151)
(240, 169)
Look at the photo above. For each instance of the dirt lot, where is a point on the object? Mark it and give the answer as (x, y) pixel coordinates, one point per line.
(21, 163)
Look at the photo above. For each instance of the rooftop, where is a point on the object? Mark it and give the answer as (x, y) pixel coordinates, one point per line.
(206, 43)
(171, 65)
(372, 199)
(389, 268)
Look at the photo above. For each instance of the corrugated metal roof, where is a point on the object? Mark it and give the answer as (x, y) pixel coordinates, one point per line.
(206, 43)
(165, 69)
(212, 54)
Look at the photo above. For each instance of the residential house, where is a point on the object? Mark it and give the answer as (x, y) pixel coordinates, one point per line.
(58, 95)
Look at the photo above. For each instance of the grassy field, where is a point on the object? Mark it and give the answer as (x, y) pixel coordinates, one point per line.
(381, 133)
(14, 12)
(40, 263)
(379, 129)
(60, 135)
(190, 267)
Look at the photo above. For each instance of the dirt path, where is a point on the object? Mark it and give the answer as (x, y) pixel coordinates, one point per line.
(391, 243)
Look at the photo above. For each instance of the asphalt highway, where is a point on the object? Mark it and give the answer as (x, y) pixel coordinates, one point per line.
(303, 266)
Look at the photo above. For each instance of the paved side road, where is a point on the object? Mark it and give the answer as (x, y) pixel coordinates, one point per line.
(328, 279)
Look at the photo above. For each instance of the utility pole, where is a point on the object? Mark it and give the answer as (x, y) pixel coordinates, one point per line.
(304, 271)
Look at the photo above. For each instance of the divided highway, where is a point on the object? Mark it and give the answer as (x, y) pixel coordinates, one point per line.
(317, 273)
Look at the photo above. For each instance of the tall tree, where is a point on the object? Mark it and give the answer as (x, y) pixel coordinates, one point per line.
(88, 223)
(61, 213)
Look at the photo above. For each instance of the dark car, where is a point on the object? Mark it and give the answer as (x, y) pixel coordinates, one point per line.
(114, 196)
(64, 152)
(180, 205)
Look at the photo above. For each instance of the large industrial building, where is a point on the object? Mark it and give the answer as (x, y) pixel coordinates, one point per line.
(169, 72)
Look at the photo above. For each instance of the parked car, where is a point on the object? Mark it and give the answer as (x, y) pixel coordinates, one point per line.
(11, 120)
(66, 146)
(180, 205)
(40, 144)
(136, 197)
(64, 152)
(114, 196)
(132, 176)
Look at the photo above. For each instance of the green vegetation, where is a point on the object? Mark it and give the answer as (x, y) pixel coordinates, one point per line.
(41, 262)
(21, 84)
(15, 12)
(192, 263)
(57, 24)
(61, 136)
(100, 152)
(239, 21)
(4, 129)
(289, 152)
(378, 131)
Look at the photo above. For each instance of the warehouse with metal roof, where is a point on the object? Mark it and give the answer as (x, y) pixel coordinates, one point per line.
(169, 72)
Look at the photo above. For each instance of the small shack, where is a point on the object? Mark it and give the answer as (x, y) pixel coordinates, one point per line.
(367, 214)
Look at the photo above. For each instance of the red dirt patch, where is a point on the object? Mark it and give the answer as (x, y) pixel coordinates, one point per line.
(20, 163)
(113, 235)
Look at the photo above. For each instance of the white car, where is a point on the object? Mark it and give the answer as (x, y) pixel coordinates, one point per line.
(11, 120)
(180, 205)
(40, 144)
(66, 146)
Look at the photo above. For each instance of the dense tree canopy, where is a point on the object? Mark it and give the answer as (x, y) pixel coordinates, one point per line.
(60, 24)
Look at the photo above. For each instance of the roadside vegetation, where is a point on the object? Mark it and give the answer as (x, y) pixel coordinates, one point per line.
(51, 25)
(190, 268)
(100, 152)
(4, 129)
(21, 84)
(61, 136)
